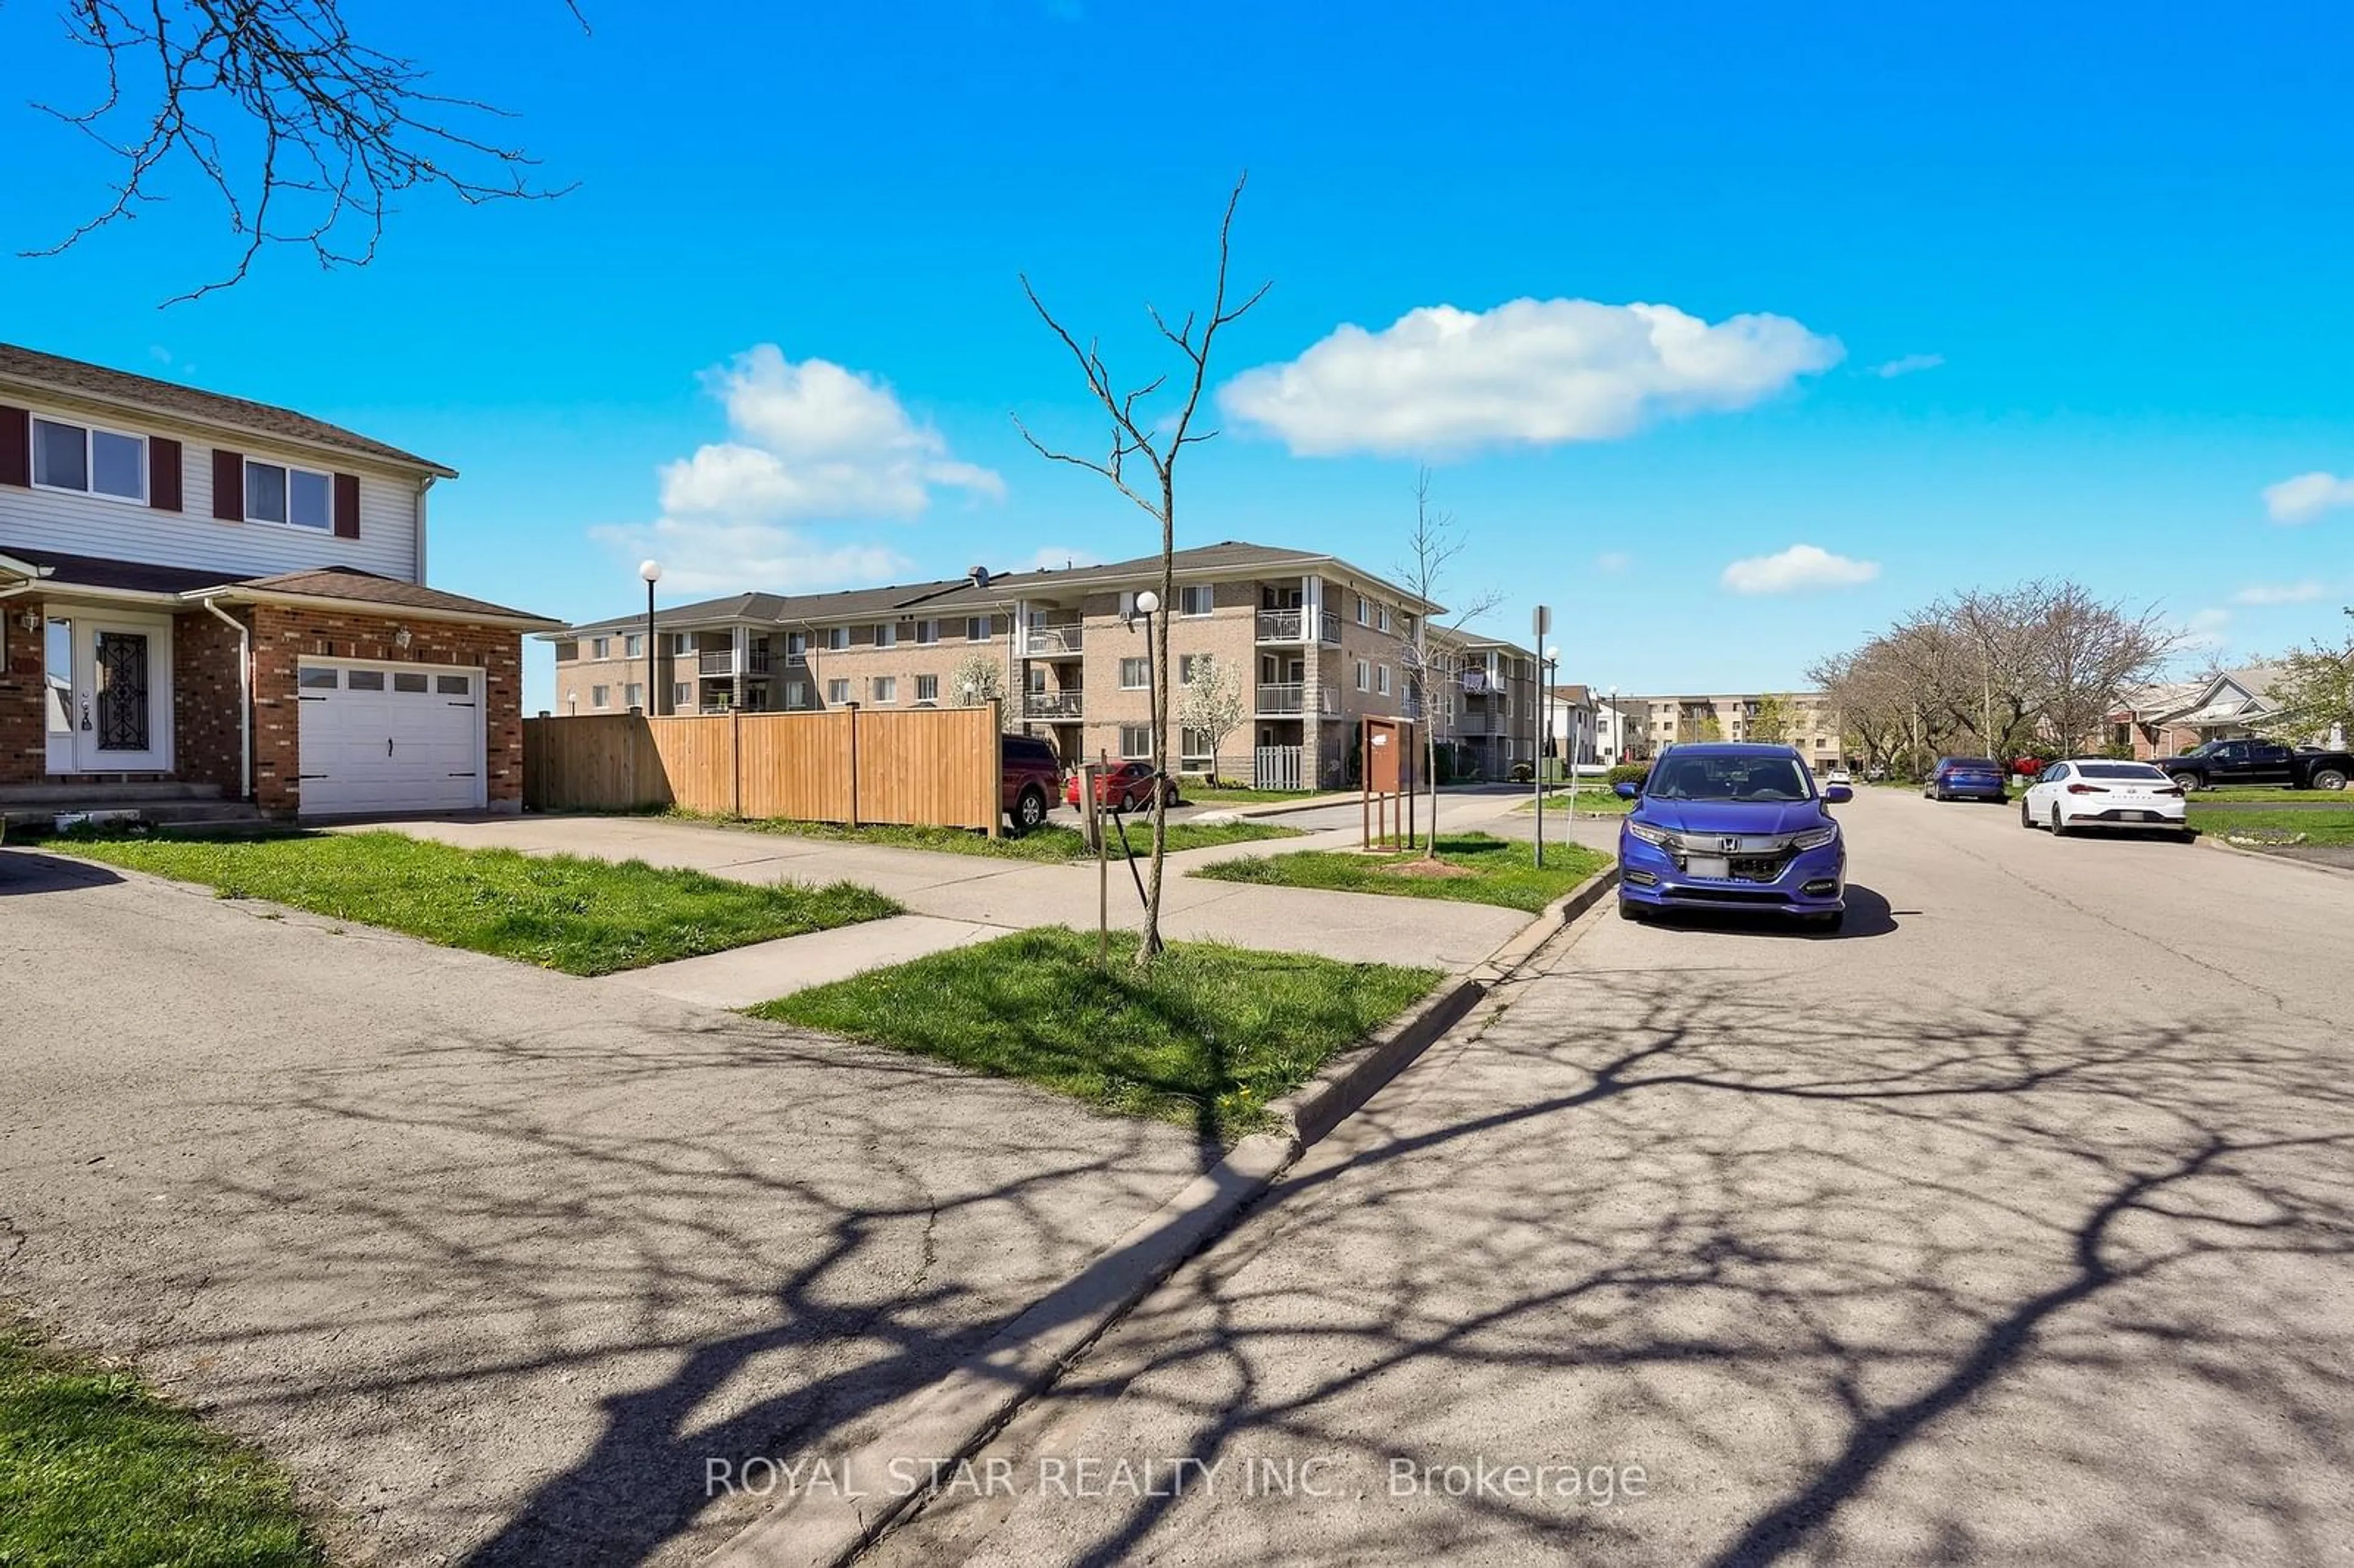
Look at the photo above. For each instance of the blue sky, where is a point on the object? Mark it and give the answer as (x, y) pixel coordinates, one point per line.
(2107, 250)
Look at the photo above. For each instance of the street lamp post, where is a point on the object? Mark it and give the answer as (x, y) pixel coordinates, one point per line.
(1569, 746)
(1148, 603)
(652, 572)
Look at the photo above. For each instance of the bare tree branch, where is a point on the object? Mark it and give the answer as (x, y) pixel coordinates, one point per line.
(278, 109)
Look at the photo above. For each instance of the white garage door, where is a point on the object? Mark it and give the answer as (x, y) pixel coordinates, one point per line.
(387, 737)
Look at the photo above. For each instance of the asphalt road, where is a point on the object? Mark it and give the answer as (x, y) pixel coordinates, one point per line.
(2014, 1225)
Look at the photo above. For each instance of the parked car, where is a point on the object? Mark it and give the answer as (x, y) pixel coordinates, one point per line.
(1966, 779)
(1729, 825)
(2095, 793)
(1032, 776)
(1124, 786)
(2221, 762)
(1838, 776)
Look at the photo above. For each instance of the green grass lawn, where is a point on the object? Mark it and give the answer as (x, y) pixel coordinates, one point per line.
(2319, 827)
(2257, 792)
(95, 1471)
(1598, 800)
(1206, 1038)
(1053, 844)
(1489, 870)
(583, 916)
(1235, 794)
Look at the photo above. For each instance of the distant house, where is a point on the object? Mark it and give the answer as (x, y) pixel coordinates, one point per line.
(203, 596)
(2167, 720)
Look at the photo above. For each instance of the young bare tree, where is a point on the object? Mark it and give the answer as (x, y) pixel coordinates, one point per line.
(1157, 442)
(304, 135)
(1428, 663)
(1214, 702)
(2087, 651)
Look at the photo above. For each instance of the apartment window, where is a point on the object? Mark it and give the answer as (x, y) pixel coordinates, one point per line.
(796, 694)
(886, 690)
(101, 462)
(682, 643)
(633, 646)
(1364, 611)
(886, 635)
(600, 648)
(1193, 751)
(1364, 675)
(1381, 617)
(601, 696)
(1135, 741)
(796, 644)
(928, 688)
(1191, 667)
(1036, 679)
(1195, 600)
(976, 628)
(837, 692)
(682, 695)
(633, 695)
(1382, 679)
(927, 631)
(275, 492)
(1135, 674)
(837, 638)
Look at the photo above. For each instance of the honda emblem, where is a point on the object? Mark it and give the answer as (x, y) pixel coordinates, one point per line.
(1728, 845)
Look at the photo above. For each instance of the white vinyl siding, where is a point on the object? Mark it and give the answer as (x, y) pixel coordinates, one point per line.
(114, 528)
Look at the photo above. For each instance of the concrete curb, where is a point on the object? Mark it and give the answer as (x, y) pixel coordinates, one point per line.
(1348, 1081)
(952, 1419)
(2214, 842)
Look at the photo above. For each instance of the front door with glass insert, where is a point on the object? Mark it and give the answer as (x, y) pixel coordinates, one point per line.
(110, 696)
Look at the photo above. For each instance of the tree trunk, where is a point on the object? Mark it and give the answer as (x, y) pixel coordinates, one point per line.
(1149, 944)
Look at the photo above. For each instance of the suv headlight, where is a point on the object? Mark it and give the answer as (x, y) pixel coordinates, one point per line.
(1814, 838)
(1652, 835)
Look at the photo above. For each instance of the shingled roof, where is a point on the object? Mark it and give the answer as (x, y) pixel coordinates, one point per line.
(31, 368)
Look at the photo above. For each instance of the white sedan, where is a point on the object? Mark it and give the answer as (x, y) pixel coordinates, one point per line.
(2093, 792)
(1838, 776)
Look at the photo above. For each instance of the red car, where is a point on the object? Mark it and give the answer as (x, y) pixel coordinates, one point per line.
(1127, 786)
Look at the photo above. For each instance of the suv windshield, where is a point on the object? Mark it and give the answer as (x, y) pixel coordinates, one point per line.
(1729, 778)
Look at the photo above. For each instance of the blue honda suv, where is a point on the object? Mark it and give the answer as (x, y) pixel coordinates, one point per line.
(1733, 826)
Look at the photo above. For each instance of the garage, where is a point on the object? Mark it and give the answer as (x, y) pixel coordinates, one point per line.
(389, 737)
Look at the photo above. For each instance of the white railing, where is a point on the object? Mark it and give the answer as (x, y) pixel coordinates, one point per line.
(1276, 767)
(1291, 626)
(1050, 639)
(1050, 704)
(719, 662)
(1292, 699)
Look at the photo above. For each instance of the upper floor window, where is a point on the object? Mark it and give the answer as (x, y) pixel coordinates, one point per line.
(275, 492)
(1135, 674)
(887, 689)
(1381, 617)
(1364, 611)
(601, 696)
(976, 628)
(886, 635)
(99, 463)
(600, 648)
(837, 638)
(927, 631)
(1382, 679)
(1196, 600)
(682, 643)
(796, 644)
(928, 688)
(634, 646)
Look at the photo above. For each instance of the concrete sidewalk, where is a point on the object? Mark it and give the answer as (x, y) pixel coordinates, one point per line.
(968, 897)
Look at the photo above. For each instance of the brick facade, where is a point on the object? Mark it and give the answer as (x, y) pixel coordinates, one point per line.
(283, 635)
(205, 693)
(24, 719)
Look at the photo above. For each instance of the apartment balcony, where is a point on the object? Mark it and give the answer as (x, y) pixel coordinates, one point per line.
(1479, 684)
(1054, 640)
(1298, 699)
(1293, 625)
(1051, 705)
(716, 661)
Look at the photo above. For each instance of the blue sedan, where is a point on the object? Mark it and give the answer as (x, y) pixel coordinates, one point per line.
(1967, 778)
(1728, 826)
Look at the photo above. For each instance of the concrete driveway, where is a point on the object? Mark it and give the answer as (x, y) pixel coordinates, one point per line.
(495, 1258)
(2014, 1226)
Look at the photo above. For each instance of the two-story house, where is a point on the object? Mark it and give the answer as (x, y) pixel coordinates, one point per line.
(229, 598)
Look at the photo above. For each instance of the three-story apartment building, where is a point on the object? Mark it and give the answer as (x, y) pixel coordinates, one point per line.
(202, 595)
(1310, 643)
(1807, 722)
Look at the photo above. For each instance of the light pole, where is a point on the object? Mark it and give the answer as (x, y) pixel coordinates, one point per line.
(652, 572)
(1147, 604)
(1568, 747)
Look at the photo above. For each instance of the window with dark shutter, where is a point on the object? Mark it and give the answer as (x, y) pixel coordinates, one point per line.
(347, 506)
(16, 447)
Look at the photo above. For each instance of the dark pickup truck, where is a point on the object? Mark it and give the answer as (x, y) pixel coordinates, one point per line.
(2222, 762)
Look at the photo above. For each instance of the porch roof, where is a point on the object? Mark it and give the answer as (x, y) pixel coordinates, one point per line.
(340, 587)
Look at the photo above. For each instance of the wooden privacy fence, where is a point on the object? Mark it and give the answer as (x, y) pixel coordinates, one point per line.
(932, 767)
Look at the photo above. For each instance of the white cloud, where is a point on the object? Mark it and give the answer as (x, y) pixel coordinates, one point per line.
(1907, 364)
(1613, 562)
(1531, 372)
(1055, 558)
(2204, 630)
(1799, 568)
(811, 441)
(2305, 592)
(2307, 496)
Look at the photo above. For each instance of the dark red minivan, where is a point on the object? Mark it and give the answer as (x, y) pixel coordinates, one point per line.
(1032, 777)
